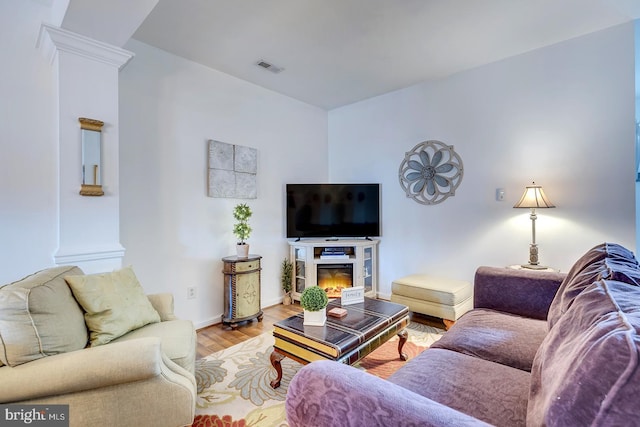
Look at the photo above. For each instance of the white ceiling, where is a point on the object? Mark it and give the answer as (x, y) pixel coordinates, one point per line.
(336, 52)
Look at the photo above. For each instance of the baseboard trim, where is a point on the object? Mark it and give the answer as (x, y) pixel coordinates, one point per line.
(384, 296)
(216, 320)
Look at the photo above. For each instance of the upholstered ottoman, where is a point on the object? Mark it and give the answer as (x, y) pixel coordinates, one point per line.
(447, 299)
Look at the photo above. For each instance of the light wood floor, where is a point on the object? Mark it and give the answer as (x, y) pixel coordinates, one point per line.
(218, 337)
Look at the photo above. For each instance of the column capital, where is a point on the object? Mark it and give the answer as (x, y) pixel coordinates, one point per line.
(53, 39)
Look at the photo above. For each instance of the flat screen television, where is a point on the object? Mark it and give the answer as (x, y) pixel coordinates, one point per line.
(333, 210)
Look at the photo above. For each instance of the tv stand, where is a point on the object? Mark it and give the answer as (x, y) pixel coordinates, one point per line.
(358, 255)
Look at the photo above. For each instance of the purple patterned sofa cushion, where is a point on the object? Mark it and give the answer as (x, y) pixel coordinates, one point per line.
(587, 369)
(497, 337)
(330, 394)
(468, 384)
(605, 261)
(523, 292)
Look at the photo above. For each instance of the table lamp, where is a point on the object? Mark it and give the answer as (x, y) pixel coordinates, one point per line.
(533, 198)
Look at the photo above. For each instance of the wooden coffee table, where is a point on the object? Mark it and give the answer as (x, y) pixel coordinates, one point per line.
(348, 339)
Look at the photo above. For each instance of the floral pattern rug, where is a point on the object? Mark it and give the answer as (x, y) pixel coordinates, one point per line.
(233, 384)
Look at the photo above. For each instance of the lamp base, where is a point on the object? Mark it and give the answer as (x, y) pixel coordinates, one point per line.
(534, 266)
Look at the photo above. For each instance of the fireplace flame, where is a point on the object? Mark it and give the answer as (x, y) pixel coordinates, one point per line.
(334, 283)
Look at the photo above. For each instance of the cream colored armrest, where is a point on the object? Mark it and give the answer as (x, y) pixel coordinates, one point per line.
(163, 304)
(87, 369)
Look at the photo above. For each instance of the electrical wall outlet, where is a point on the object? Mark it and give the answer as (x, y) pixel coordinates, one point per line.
(500, 194)
(191, 293)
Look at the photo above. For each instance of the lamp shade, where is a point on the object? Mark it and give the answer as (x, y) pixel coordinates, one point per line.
(534, 197)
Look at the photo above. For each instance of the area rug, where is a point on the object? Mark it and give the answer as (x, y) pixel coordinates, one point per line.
(233, 384)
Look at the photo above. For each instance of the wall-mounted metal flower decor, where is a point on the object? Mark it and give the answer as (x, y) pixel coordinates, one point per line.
(431, 172)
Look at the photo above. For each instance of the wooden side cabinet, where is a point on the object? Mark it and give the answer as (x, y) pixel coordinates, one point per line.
(241, 289)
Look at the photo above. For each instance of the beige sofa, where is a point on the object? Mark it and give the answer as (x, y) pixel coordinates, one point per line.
(50, 355)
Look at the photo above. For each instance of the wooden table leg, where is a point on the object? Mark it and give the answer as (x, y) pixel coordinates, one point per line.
(403, 339)
(276, 358)
(448, 323)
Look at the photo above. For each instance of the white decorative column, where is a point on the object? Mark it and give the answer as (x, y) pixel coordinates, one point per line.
(86, 80)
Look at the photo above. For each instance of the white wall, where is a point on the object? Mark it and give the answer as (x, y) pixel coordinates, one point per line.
(174, 234)
(562, 116)
(28, 176)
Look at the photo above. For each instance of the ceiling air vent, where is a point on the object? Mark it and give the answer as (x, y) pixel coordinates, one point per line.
(267, 66)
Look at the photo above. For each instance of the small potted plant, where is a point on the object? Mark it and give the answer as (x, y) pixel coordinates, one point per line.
(242, 230)
(314, 301)
(286, 278)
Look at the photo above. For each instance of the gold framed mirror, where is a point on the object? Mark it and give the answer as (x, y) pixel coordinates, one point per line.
(91, 157)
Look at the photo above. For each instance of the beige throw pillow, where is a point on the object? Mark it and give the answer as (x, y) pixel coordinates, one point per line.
(39, 317)
(114, 304)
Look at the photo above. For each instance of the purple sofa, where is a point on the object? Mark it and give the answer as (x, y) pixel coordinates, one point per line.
(538, 349)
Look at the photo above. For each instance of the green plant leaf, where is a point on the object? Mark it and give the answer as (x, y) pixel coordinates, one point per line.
(241, 229)
(314, 298)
